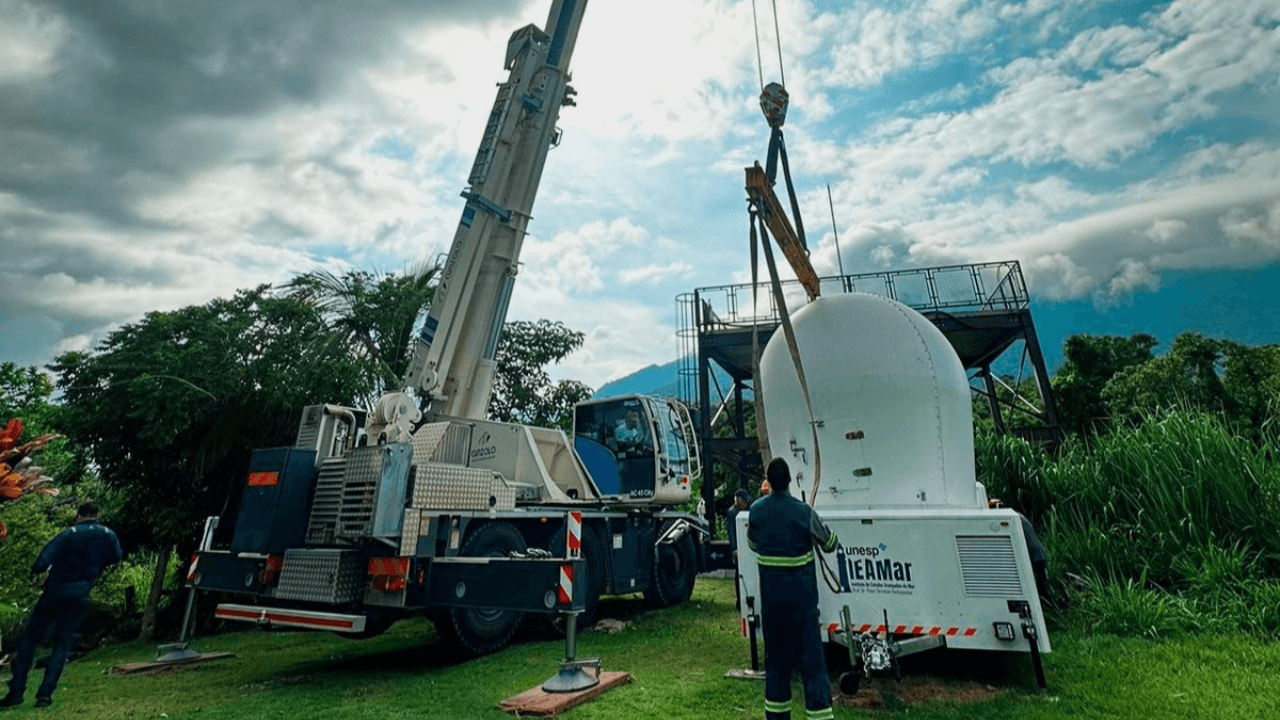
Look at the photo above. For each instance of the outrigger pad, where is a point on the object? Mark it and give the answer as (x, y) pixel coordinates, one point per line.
(539, 703)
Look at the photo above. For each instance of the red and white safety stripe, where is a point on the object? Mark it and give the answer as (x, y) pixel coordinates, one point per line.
(191, 569)
(573, 551)
(909, 629)
(575, 535)
(565, 592)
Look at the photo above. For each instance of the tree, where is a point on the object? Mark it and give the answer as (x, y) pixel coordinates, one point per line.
(170, 407)
(25, 393)
(1186, 376)
(372, 315)
(1251, 376)
(1091, 361)
(522, 390)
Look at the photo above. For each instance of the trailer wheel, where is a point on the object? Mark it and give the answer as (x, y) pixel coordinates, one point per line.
(592, 580)
(479, 631)
(850, 682)
(675, 568)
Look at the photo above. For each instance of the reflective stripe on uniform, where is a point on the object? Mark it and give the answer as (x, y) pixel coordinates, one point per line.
(831, 543)
(823, 714)
(774, 706)
(785, 561)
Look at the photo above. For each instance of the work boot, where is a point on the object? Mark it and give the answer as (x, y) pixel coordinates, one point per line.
(13, 699)
(44, 701)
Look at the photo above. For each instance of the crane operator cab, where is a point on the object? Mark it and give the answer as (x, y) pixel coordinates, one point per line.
(637, 448)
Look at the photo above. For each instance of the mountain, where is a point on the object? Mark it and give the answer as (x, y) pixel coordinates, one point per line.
(653, 380)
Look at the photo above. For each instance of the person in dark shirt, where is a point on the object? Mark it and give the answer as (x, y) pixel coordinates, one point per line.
(73, 560)
(784, 533)
(741, 501)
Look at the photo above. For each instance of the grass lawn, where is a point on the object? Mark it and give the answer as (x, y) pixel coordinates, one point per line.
(677, 658)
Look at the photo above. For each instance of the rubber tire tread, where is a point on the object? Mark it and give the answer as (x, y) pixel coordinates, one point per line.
(459, 626)
(667, 589)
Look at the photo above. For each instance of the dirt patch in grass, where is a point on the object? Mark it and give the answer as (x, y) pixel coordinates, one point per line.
(920, 690)
(914, 691)
(882, 692)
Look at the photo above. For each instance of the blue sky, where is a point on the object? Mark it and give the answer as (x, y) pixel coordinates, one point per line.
(1127, 153)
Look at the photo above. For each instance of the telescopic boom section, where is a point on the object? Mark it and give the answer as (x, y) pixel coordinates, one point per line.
(453, 363)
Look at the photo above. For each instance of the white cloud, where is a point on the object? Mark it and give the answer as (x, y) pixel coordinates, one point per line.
(1131, 276)
(1242, 226)
(30, 38)
(566, 268)
(872, 41)
(654, 273)
(1165, 231)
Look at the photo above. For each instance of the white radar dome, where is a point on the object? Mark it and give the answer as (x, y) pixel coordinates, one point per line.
(891, 403)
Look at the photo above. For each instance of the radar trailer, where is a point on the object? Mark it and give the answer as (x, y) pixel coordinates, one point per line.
(870, 406)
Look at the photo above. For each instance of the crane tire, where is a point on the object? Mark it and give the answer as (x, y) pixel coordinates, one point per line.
(675, 569)
(474, 630)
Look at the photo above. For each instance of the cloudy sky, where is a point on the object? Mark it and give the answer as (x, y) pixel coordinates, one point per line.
(157, 155)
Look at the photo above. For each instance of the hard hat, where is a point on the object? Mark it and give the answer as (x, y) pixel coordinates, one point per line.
(764, 487)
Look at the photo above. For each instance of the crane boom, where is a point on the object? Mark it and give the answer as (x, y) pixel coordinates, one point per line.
(453, 362)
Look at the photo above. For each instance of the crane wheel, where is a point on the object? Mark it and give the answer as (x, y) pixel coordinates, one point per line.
(479, 631)
(592, 579)
(675, 569)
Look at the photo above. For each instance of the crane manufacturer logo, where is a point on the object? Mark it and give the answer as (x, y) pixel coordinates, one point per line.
(484, 449)
(870, 569)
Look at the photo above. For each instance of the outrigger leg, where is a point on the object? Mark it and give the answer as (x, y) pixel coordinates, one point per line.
(1023, 608)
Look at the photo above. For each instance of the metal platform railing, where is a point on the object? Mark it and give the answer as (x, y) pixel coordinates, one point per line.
(974, 287)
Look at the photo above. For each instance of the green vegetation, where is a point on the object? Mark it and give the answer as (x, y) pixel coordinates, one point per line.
(677, 658)
(1169, 526)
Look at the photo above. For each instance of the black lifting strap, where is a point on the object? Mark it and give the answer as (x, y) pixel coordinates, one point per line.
(762, 435)
(794, 348)
(791, 191)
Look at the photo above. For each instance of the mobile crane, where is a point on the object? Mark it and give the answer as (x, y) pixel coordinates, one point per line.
(421, 505)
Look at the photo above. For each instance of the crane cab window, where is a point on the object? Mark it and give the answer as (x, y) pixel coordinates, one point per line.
(624, 428)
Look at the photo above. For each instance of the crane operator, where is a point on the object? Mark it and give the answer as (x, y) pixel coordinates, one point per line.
(784, 532)
(629, 435)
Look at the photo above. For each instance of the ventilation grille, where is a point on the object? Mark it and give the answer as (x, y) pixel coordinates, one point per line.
(988, 566)
(359, 492)
(443, 442)
(327, 502)
(309, 427)
(455, 448)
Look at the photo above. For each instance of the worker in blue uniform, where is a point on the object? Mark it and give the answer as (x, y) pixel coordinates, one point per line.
(784, 532)
(73, 559)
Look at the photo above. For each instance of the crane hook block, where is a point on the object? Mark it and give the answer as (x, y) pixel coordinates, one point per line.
(773, 102)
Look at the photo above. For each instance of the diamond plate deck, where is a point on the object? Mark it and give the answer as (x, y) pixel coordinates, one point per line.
(449, 487)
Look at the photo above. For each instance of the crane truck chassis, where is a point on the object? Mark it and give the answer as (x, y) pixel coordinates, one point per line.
(336, 535)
